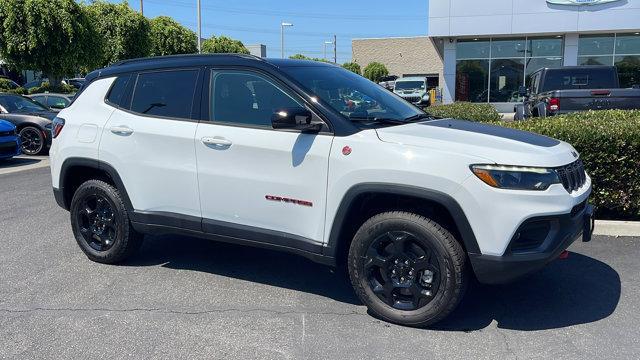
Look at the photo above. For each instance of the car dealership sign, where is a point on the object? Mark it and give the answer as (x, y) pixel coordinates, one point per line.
(579, 2)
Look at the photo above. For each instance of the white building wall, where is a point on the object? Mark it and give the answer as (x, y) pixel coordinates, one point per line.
(517, 17)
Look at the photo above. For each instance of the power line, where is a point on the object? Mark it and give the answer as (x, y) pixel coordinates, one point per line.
(278, 13)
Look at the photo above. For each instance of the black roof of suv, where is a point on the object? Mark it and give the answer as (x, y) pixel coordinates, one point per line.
(172, 61)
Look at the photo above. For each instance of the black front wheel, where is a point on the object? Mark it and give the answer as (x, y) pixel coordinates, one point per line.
(100, 223)
(407, 269)
(32, 140)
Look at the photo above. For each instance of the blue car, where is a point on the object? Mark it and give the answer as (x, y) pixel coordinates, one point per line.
(9, 140)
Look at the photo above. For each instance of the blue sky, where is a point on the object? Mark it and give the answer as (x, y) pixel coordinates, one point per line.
(256, 21)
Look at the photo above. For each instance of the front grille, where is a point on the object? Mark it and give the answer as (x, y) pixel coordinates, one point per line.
(412, 99)
(7, 133)
(572, 176)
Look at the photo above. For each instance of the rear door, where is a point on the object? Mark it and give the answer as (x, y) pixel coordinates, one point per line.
(255, 182)
(149, 140)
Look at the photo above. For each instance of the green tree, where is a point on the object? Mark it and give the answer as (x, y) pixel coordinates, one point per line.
(304, 57)
(53, 36)
(168, 37)
(375, 71)
(223, 44)
(124, 33)
(353, 67)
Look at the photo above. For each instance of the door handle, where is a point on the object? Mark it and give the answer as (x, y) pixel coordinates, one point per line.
(121, 130)
(216, 141)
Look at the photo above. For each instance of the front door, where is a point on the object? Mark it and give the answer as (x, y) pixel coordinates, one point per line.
(255, 182)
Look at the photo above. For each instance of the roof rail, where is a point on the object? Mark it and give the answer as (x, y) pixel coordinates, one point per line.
(168, 57)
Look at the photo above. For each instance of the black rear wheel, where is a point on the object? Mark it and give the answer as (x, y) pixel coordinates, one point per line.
(407, 269)
(100, 223)
(32, 140)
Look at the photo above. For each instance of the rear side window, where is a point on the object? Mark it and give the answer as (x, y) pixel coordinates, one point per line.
(165, 93)
(116, 94)
(580, 79)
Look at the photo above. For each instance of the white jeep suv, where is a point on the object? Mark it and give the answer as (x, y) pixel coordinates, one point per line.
(277, 154)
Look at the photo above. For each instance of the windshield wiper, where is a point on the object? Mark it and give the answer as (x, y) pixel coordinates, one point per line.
(417, 117)
(377, 120)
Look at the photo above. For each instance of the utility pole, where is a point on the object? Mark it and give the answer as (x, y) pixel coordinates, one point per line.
(335, 52)
(199, 28)
(142, 7)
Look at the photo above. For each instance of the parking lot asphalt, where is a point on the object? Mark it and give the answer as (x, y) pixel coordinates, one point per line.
(189, 298)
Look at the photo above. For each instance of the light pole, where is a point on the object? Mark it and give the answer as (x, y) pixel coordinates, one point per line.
(199, 29)
(141, 7)
(325, 48)
(282, 25)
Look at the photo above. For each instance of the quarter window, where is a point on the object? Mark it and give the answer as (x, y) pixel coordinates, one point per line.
(116, 94)
(165, 93)
(243, 97)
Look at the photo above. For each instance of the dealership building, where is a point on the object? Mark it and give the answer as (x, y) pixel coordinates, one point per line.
(489, 48)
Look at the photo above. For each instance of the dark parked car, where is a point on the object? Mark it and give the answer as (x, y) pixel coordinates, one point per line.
(75, 82)
(577, 88)
(33, 122)
(9, 140)
(34, 83)
(55, 102)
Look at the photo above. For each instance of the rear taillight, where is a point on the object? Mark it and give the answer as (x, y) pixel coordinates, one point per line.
(56, 128)
(553, 104)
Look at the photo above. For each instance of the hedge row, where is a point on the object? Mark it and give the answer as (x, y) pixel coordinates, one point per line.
(63, 88)
(464, 110)
(609, 146)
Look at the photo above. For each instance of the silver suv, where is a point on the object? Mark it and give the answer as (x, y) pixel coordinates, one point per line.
(413, 89)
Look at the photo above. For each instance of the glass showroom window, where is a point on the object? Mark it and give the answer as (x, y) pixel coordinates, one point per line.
(493, 69)
(621, 50)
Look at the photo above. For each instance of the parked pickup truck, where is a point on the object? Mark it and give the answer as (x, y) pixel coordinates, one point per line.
(569, 89)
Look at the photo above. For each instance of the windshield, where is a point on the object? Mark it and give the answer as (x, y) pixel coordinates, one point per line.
(409, 85)
(15, 103)
(352, 95)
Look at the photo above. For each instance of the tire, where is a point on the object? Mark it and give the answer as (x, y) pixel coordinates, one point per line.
(101, 225)
(33, 142)
(432, 263)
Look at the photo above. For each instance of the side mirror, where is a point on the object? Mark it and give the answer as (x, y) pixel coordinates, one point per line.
(523, 91)
(294, 118)
(58, 106)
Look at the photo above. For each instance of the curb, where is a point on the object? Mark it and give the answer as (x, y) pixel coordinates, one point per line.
(617, 228)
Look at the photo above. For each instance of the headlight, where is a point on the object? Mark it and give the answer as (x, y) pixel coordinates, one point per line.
(516, 177)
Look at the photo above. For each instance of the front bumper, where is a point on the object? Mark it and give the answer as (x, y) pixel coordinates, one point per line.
(9, 146)
(562, 232)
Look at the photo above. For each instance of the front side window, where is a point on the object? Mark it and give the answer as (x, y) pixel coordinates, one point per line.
(355, 97)
(57, 102)
(165, 93)
(246, 98)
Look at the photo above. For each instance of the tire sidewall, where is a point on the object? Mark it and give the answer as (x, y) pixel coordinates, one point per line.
(427, 235)
(93, 187)
(42, 140)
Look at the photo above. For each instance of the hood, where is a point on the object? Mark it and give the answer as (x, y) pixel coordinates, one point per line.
(492, 143)
(43, 114)
(6, 126)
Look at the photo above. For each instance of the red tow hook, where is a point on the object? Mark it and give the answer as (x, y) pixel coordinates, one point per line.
(563, 255)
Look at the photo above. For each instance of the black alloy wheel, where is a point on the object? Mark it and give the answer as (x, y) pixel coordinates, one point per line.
(100, 223)
(97, 222)
(32, 140)
(407, 269)
(401, 271)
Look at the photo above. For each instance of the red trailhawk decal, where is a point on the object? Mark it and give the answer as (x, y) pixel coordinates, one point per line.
(288, 200)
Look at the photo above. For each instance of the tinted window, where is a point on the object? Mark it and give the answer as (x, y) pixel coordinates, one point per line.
(19, 104)
(116, 94)
(165, 93)
(246, 98)
(57, 102)
(579, 79)
(40, 99)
